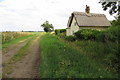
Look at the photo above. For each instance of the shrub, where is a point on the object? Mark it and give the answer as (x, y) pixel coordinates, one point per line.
(100, 36)
(86, 34)
(113, 33)
(62, 35)
(110, 34)
(70, 38)
(58, 31)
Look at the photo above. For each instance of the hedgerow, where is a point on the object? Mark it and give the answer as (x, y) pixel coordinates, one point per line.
(58, 31)
(70, 38)
(110, 34)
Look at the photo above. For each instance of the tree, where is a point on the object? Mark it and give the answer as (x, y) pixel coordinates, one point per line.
(114, 6)
(47, 27)
(116, 21)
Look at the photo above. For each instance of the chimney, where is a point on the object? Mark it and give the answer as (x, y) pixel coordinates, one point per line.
(87, 10)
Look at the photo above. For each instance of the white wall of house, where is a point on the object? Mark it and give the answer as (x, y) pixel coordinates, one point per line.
(68, 32)
(73, 28)
(97, 28)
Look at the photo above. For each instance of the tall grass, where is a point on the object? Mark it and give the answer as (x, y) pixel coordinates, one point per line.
(104, 53)
(7, 36)
(60, 60)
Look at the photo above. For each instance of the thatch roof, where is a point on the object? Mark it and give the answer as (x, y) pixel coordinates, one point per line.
(91, 19)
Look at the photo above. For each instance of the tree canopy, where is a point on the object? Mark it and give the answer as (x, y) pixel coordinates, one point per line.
(114, 6)
(47, 26)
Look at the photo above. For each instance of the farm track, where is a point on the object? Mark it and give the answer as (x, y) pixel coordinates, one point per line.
(27, 67)
(9, 52)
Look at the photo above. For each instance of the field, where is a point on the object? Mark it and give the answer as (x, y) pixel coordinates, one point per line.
(9, 38)
(44, 55)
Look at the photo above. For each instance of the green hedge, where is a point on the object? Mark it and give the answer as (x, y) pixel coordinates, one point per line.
(86, 34)
(110, 34)
(70, 38)
(58, 31)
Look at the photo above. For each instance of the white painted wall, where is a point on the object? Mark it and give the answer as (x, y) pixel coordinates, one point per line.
(97, 28)
(68, 32)
(73, 28)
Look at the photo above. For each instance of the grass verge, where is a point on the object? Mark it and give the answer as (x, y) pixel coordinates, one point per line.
(60, 60)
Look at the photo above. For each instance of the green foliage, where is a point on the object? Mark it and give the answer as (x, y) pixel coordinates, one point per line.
(108, 49)
(60, 60)
(62, 35)
(58, 31)
(116, 22)
(70, 38)
(106, 53)
(86, 34)
(47, 27)
(100, 36)
(112, 6)
(110, 34)
(113, 33)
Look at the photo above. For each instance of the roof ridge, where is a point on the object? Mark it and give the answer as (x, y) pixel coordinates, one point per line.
(86, 13)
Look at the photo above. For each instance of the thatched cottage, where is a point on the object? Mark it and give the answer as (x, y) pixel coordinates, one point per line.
(86, 20)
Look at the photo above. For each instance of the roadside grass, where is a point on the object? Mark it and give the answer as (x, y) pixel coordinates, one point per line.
(61, 60)
(11, 42)
(106, 53)
(99, 50)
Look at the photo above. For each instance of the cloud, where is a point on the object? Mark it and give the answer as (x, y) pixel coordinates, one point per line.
(30, 14)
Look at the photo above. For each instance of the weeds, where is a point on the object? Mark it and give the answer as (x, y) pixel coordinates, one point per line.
(60, 60)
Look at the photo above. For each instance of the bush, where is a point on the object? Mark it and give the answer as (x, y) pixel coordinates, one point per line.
(86, 34)
(100, 36)
(70, 38)
(62, 35)
(110, 34)
(107, 53)
(58, 31)
(114, 33)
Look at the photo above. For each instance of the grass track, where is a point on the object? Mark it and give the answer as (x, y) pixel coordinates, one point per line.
(22, 52)
(60, 60)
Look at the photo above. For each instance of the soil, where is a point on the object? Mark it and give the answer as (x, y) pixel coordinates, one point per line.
(9, 52)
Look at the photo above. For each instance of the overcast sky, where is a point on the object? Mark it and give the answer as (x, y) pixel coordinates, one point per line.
(18, 15)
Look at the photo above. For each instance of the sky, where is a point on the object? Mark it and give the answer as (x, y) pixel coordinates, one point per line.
(28, 15)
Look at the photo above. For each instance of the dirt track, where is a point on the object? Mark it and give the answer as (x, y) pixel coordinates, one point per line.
(27, 67)
(9, 52)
